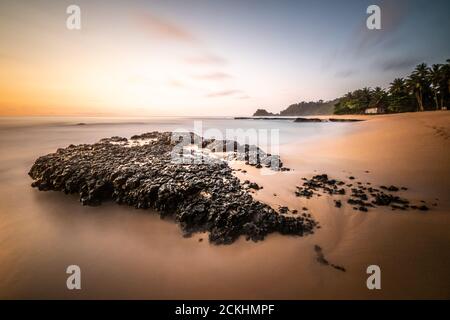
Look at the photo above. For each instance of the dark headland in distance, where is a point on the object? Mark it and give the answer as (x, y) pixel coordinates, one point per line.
(298, 119)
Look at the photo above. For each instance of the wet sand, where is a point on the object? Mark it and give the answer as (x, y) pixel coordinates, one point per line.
(411, 248)
(129, 253)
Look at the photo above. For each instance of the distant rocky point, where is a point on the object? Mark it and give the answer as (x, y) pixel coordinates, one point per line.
(299, 119)
(262, 113)
(303, 108)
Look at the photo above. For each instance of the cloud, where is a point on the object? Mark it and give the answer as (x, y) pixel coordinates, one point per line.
(345, 73)
(214, 76)
(393, 15)
(399, 63)
(165, 29)
(223, 93)
(139, 79)
(207, 59)
(363, 43)
(176, 83)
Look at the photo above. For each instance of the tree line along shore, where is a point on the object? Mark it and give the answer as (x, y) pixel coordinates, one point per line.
(426, 88)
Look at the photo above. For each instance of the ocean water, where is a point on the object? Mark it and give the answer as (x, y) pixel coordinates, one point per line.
(124, 252)
(129, 253)
(91, 129)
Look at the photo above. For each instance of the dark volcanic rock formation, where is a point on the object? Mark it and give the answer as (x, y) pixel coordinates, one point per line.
(152, 171)
(307, 120)
(344, 120)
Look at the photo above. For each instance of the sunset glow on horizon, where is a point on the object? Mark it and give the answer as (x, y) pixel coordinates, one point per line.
(157, 58)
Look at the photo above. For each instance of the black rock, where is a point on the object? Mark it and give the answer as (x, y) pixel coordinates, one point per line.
(283, 209)
(152, 171)
(320, 257)
(307, 120)
(340, 268)
(253, 185)
(363, 196)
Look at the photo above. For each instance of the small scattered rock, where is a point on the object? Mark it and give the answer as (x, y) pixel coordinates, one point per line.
(254, 185)
(362, 196)
(320, 257)
(283, 209)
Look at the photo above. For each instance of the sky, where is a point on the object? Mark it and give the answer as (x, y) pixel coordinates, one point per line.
(206, 57)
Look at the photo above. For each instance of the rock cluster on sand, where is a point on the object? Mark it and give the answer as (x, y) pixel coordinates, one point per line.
(362, 196)
(320, 257)
(151, 171)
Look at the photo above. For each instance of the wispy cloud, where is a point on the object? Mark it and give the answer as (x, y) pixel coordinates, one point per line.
(213, 76)
(363, 43)
(164, 28)
(394, 14)
(399, 63)
(345, 73)
(201, 59)
(223, 93)
(206, 59)
(176, 83)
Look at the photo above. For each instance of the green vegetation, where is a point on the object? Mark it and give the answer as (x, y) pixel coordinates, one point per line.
(302, 108)
(426, 88)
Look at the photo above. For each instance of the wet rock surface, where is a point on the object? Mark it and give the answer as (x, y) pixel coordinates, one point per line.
(153, 170)
(308, 120)
(344, 120)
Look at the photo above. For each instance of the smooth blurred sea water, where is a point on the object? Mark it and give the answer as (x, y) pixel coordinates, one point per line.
(118, 248)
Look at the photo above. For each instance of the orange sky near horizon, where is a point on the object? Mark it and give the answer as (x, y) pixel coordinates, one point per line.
(182, 58)
(144, 65)
(134, 61)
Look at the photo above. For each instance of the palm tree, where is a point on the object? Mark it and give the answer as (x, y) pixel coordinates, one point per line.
(445, 84)
(398, 96)
(422, 70)
(413, 84)
(435, 75)
(397, 86)
(378, 95)
(417, 83)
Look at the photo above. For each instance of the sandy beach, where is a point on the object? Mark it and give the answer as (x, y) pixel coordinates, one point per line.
(411, 248)
(129, 253)
(200, 153)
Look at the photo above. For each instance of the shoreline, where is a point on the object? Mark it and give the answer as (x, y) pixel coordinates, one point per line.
(411, 247)
(394, 149)
(303, 119)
